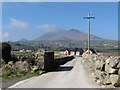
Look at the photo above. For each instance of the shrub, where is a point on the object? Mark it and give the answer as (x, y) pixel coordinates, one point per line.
(6, 52)
(31, 60)
(14, 58)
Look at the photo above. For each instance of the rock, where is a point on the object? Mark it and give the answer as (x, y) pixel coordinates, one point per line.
(109, 86)
(114, 62)
(34, 68)
(89, 52)
(11, 65)
(103, 68)
(115, 79)
(39, 63)
(100, 65)
(86, 54)
(108, 60)
(113, 71)
(40, 72)
(102, 58)
(104, 78)
(39, 55)
(26, 66)
(107, 68)
(23, 66)
(107, 80)
(118, 66)
(2, 63)
(93, 75)
(119, 71)
(98, 82)
(97, 73)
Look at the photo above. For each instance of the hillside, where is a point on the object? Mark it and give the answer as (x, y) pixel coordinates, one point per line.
(72, 34)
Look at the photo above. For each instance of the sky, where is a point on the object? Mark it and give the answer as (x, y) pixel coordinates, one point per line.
(30, 20)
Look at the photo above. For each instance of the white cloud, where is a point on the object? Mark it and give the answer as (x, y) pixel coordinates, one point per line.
(16, 24)
(49, 28)
(4, 35)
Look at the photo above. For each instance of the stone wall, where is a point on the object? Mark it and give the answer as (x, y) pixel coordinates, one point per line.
(39, 60)
(25, 64)
(51, 64)
(105, 69)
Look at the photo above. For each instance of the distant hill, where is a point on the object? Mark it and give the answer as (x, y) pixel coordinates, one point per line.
(72, 34)
(23, 40)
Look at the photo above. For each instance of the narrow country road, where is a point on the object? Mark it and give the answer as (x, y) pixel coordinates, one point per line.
(70, 75)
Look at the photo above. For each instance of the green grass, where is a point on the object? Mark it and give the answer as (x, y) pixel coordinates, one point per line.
(21, 53)
(27, 75)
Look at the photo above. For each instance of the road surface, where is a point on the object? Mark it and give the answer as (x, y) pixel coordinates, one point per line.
(70, 75)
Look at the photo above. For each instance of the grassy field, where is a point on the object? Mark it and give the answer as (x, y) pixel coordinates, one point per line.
(21, 53)
(27, 75)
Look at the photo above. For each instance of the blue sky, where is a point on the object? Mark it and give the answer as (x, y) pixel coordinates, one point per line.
(30, 20)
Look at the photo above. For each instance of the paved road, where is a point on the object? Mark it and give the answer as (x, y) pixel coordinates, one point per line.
(70, 75)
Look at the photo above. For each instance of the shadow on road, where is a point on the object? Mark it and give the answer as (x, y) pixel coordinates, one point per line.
(63, 68)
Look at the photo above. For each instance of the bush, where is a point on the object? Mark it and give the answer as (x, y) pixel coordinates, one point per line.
(31, 60)
(14, 58)
(6, 52)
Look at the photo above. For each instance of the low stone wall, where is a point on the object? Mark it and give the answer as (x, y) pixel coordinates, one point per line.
(105, 69)
(51, 64)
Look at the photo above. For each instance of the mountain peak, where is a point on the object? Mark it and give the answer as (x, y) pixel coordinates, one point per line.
(74, 30)
(23, 39)
(72, 34)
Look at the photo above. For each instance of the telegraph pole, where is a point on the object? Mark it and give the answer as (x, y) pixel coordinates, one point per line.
(88, 29)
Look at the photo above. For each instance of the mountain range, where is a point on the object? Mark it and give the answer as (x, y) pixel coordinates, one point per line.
(73, 35)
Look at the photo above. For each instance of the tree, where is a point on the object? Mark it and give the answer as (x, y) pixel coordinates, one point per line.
(6, 52)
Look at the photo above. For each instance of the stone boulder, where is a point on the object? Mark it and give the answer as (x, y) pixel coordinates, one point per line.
(113, 71)
(39, 55)
(2, 63)
(110, 70)
(115, 79)
(107, 68)
(100, 65)
(97, 73)
(11, 65)
(104, 78)
(39, 64)
(23, 66)
(108, 61)
(118, 66)
(119, 71)
(114, 62)
(34, 68)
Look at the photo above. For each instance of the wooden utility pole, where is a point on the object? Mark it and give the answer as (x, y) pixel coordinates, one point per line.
(88, 29)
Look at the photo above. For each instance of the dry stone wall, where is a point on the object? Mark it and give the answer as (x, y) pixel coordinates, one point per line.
(105, 69)
(51, 64)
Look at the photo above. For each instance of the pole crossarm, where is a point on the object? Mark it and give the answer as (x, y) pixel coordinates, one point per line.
(88, 17)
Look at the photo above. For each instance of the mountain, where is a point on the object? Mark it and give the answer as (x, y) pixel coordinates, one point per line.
(72, 34)
(23, 40)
